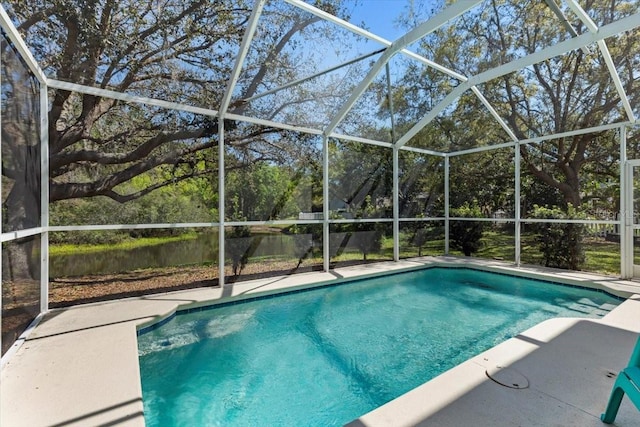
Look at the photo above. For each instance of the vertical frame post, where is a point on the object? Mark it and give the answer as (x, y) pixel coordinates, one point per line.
(396, 198)
(517, 225)
(44, 198)
(325, 203)
(446, 205)
(250, 31)
(221, 204)
(396, 207)
(625, 216)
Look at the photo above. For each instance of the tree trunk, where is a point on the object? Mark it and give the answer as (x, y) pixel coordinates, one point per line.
(22, 211)
(18, 262)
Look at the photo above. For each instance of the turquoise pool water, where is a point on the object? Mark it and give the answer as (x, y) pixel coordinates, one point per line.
(323, 357)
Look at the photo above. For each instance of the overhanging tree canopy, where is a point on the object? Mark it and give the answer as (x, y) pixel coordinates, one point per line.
(466, 75)
(138, 89)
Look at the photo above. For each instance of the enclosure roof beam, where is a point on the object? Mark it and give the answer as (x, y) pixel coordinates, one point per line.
(313, 76)
(537, 140)
(252, 25)
(21, 46)
(494, 113)
(604, 50)
(362, 140)
(583, 16)
(565, 22)
(448, 100)
(625, 24)
(369, 35)
(424, 151)
(412, 36)
(575, 132)
(90, 90)
(310, 131)
(364, 33)
(272, 124)
(484, 148)
(106, 93)
(561, 16)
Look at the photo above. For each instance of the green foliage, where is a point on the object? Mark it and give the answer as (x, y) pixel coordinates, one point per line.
(262, 191)
(98, 237)
(182, 202)
(548, 99)
(162, 55)
(560, 243)
(420, 238)
(422, 235)
(139, 147)
(488, 177)
(536, 193)
(466, 235)
(367, 237)
(85, 245)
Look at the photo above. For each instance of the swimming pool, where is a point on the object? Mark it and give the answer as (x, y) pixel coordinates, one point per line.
(326, 356)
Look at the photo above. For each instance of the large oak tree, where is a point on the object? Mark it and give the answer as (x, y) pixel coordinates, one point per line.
(173, 50)
(561, 94)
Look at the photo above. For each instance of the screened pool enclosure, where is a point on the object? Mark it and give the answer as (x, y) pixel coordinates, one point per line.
(159, 145)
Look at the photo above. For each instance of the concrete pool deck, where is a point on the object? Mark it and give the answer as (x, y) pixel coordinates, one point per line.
(79, 366)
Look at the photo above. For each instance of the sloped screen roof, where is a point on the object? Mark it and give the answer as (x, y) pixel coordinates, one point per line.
(443, 78)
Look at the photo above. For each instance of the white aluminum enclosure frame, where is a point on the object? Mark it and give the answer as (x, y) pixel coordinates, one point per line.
(412, 36)
(595, 35)
(631, 223)
(366, 34)
(42, 230)
(625, 24)
(604, 50)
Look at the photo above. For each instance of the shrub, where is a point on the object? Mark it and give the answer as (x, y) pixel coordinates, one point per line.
(560, 243)
(465, 235)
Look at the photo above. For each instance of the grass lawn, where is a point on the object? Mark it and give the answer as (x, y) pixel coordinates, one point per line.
(71, 249)
(601, 256)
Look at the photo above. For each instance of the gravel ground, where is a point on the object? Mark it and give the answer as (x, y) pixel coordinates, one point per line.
(66, 291)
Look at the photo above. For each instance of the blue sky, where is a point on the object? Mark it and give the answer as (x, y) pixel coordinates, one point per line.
(379, 16)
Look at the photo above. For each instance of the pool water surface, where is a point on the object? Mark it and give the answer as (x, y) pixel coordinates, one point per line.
(325, 356)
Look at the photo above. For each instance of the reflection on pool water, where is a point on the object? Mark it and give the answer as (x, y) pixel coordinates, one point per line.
(325, 356)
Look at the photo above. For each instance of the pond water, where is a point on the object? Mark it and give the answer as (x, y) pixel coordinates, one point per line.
(198, 251)
(201, 250)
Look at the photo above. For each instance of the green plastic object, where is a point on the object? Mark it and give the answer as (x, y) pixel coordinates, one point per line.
(628, 382)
